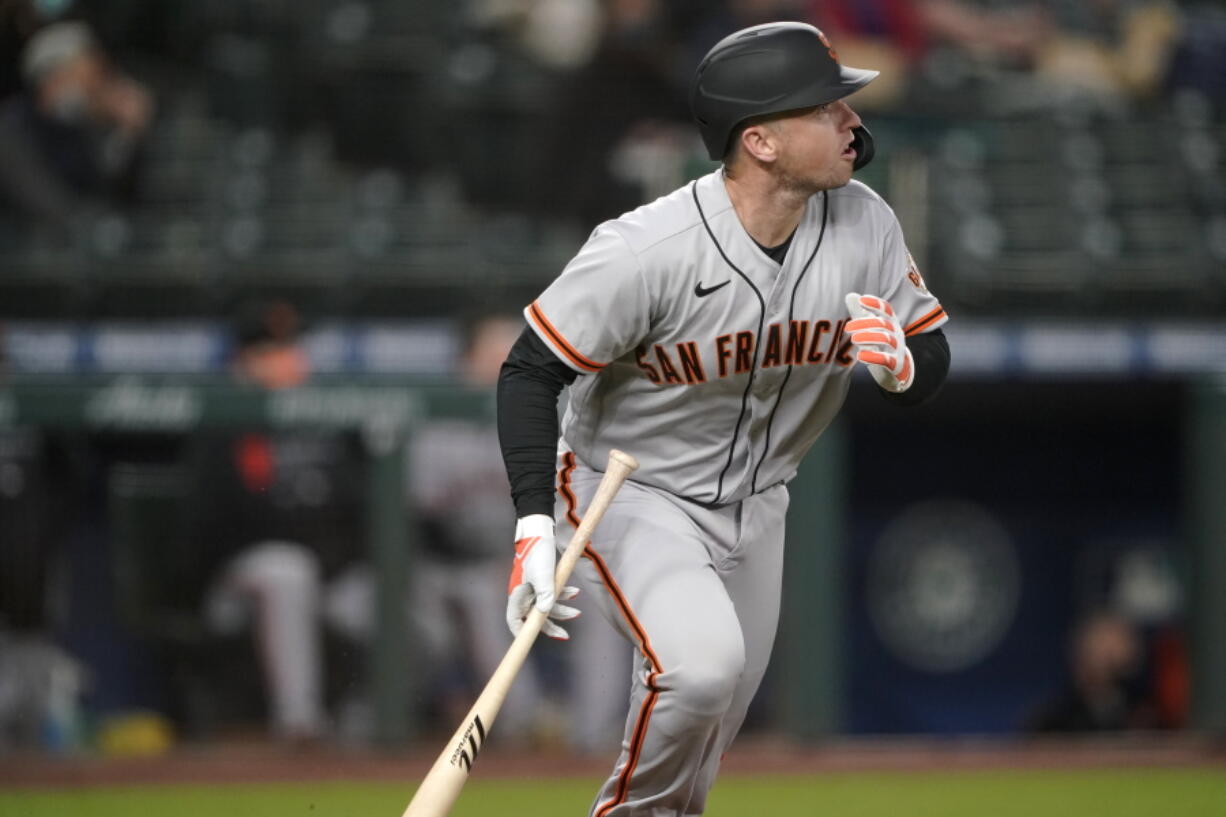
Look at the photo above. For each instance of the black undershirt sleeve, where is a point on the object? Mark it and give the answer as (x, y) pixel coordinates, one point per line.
(930, 351)
(528, 387)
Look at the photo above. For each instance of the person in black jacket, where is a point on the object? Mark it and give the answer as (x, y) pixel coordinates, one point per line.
(278, 514)
(72, 139)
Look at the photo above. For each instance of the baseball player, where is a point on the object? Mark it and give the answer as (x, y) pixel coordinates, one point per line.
(711, 333)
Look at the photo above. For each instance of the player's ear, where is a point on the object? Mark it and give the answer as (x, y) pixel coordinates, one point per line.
(761, 141)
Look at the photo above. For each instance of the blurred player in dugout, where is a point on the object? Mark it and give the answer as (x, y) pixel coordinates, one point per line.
(459, 491)
(278, 513)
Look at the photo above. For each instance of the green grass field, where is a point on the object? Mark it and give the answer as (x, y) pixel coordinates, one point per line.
(1120, 793)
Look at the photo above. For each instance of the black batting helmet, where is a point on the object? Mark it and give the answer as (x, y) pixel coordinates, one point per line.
(769, 69)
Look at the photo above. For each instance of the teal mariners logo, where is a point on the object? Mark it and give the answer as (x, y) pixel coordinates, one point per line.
(943, 585)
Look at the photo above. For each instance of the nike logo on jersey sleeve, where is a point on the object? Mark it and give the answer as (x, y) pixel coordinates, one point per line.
(703, 292)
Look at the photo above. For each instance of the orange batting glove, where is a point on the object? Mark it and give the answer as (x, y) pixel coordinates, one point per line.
(879, 341)
(532, 578)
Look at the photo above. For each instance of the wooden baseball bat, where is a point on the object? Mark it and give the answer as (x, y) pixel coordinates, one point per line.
(441, 786)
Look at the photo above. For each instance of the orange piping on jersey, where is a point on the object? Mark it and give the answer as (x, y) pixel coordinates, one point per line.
(926, 321)
(542, 323)
(568, 468)
(639, 735)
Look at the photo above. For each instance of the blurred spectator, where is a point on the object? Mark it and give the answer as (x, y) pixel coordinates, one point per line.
(707, 24)
(619, 122)
(1005, 32)
(559, 34)
(19, 20)
(1199, 61)
(889, 36)
(1108, 49)
(1048, 52)
(268, 352)
(943, 41)
(1105, 689)
(73, 136)
(278, 513)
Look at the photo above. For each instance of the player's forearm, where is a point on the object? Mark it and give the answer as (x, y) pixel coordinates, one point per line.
(528, 389)
(528, 434)
(930, 352)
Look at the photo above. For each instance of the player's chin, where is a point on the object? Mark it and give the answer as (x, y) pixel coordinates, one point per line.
(841, 176)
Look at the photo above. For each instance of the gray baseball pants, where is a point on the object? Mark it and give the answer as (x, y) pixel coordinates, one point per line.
(696, 591)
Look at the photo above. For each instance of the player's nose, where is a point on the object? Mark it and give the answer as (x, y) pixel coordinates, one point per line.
(851, 119)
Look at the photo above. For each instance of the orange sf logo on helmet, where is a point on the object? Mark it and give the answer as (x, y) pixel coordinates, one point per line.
(834, 55)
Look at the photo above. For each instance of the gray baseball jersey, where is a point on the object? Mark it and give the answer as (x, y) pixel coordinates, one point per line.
(730, 364)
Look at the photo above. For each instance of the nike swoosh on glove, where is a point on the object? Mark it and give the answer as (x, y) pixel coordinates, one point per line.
(532, 578)
(880, 341)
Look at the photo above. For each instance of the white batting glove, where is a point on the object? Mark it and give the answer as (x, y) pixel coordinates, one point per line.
(532, 578)
(880, 342)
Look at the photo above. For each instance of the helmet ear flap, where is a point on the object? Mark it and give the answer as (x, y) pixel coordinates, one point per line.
(862, 142)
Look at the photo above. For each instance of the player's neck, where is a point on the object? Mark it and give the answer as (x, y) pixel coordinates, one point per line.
(768, 213)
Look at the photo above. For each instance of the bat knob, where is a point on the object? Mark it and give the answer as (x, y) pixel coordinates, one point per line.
(625, 459)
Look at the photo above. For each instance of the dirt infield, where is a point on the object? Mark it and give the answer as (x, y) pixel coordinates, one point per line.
(254, 761)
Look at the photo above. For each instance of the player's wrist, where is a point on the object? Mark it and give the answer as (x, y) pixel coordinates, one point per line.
(537, 524)
(896, 381)
(539, 501)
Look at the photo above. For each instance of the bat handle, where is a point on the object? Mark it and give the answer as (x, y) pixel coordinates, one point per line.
(621, 465)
